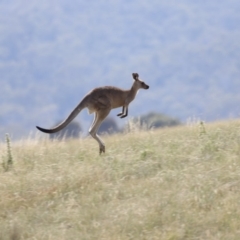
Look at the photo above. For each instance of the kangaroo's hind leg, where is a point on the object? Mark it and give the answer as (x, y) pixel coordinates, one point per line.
(98, 119)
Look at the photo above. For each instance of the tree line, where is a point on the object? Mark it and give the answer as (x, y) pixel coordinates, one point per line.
(150, 120)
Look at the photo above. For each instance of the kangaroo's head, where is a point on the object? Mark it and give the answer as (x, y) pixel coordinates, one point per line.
(138, 83)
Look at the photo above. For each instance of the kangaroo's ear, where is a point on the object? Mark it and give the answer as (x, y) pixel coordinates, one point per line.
(135, 76)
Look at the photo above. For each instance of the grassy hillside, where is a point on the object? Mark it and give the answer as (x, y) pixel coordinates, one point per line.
(177, 183)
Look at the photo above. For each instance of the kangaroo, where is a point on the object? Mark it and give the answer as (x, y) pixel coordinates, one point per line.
(100, 101)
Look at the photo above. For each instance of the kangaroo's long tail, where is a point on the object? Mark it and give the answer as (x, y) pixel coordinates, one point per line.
(63, 124)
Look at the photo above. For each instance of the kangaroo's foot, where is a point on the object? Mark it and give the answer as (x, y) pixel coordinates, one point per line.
(101, 149)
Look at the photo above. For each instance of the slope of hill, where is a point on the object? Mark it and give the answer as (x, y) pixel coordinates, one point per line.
(176, 183)
(53, 52)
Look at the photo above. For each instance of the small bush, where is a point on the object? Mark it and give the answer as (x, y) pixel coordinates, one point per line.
(157, 120)
(8, 160)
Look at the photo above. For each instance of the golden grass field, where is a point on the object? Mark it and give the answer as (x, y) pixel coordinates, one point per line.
(173, 183)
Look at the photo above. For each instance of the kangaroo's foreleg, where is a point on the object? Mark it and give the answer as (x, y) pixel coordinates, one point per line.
(121, 113)
(124, 112)
(98, 119)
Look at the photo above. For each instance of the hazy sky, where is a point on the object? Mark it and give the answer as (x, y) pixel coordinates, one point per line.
(53, 52)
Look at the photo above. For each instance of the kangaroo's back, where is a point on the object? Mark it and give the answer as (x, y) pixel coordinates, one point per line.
(113, 96)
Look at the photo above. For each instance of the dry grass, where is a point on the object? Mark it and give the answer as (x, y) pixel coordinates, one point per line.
(178, 183)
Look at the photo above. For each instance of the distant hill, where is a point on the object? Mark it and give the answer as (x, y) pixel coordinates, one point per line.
(52, 53)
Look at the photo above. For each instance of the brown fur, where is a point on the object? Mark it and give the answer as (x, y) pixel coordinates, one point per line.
(100, 101)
